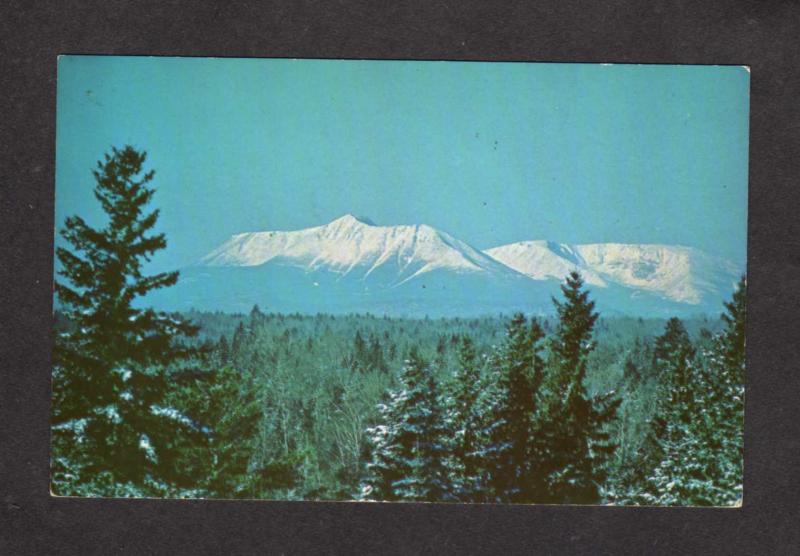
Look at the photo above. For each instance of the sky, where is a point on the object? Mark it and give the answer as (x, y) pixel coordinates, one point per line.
(491, 153)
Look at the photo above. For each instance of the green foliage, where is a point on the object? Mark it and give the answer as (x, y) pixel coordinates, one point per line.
(575, 425)
(230, 414)
(511, 454)
(696, 439)
(409, 452)
(112, 431)
(463, 423)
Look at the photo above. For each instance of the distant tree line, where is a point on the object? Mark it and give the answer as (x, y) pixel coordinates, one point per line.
(565, 409)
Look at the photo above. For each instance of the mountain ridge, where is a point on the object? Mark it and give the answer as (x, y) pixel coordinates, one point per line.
(683, 274)
(352, 264)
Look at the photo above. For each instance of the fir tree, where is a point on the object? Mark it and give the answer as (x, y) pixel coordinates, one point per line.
(228, 411)
(257, 319)
(726, 375)
(678, 380)
(463, 421)
(375, 358)
(700, 434)
(358, 361)
(511, 454)
(574, 425)
(223, 351)
(409, 451)
(239, 337)
(113, 434)
(703, 443)
(670, 347)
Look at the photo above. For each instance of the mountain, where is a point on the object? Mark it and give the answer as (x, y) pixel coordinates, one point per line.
(676, 273)
(353, 265)
(355, 247)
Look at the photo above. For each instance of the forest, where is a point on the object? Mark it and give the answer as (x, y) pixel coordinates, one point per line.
(571, 407)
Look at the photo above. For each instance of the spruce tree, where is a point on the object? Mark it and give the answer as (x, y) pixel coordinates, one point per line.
(678, 381)
(511, 453)
(409, 450)
(703, 446)
(674, 363)
(463, 422)
(223, 351)
(726, 374)
(228, 411)
(113, 434)
(233, 409)
(574, 425)
(701, 440)
(376, 361)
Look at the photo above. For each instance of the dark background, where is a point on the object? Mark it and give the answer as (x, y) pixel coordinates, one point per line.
(761, 34)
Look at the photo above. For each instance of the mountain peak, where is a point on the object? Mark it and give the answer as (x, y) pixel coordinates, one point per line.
(353, 219)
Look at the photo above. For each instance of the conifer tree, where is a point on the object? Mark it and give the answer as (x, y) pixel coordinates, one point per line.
(376, 361)
(574, 424)
(223, 351)
(511, 454)
(228, 411)
(673, 362)
(678, 383)
(702, 445)
(257, 319)
(112, 432)
(632, 425)
(409, 451)
(463, 422)
(726, 374)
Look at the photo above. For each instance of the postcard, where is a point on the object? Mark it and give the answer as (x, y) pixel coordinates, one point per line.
(400, 281)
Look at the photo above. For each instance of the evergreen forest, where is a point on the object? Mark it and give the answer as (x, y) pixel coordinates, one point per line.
(571, 407)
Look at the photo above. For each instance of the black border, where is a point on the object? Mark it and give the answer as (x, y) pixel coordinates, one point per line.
(762, 35)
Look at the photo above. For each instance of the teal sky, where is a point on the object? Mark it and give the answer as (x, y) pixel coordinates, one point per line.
(489, 152)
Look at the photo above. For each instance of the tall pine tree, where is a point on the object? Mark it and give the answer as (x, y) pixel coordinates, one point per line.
(702, 445)
(113, 433)
(574, 425)
(678, 381)
(511, 453)
(726, 370)
(409, 449)
(463, 422)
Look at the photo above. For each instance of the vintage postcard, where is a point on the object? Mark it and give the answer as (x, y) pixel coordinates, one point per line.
(400, 281)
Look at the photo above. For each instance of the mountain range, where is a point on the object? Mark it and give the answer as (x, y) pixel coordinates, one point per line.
(351, 265)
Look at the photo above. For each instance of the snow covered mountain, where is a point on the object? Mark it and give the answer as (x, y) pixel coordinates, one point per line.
(680, 274)
(353, 265)
(356, 247)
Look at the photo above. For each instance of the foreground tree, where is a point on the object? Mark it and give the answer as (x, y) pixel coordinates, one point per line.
(574, 425)
(463, 423)
(676, 404)
(511, 454)
(409, 451)
(726, 373)
(227, 410)
(678, 378)
(702, 443)
(112, 431)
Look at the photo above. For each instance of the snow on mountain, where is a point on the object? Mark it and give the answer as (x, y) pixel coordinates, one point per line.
(352, 265)
(544, 260)
(678, 273)
(357, 247)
